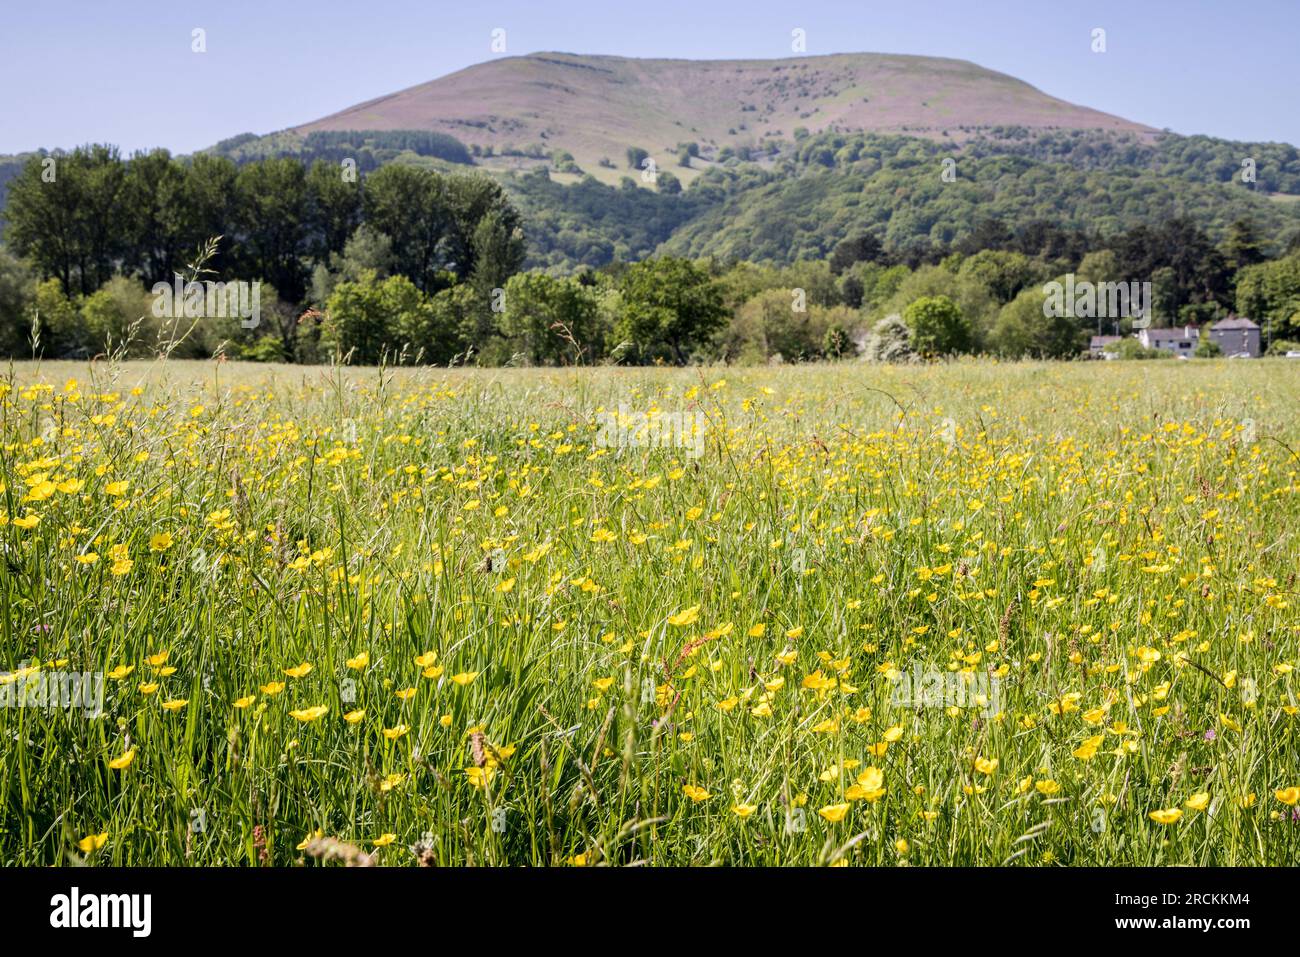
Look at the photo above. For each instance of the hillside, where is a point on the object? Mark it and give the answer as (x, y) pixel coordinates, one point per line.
(834, 185)
(595, 107)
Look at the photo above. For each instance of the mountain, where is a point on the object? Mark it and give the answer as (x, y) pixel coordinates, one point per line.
(783, 159)
(596, 107)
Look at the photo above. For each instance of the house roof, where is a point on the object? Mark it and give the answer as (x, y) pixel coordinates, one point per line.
(1181, 332)
(1098, 341)
(1235, 322)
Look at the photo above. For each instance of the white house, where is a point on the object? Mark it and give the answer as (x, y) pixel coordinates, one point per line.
(1181, 340)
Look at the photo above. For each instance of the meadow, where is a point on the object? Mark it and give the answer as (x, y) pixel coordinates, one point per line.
(967, 613)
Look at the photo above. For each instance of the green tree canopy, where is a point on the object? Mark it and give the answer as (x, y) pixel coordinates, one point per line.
(670, 307)
(938, 327)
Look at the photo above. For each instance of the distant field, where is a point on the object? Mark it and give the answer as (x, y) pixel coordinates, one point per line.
(960, 614)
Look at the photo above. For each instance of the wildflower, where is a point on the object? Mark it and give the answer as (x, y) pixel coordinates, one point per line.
(92, 842)
(1088, 748)
(834, 812)
(685, 618)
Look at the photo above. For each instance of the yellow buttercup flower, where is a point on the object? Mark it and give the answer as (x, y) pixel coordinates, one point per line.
(686, 617)
(834, 812)
(1088, 748)
(92, 842)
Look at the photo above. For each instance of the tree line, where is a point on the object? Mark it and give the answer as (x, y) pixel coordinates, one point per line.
(406, 264)
(90, 217)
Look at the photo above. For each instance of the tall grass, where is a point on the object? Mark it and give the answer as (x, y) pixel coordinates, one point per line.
(1113, 544)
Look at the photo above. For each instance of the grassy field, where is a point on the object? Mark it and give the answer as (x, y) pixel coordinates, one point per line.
(962, 614)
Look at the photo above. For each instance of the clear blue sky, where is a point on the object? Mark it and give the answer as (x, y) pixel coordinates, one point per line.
(122, 71)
